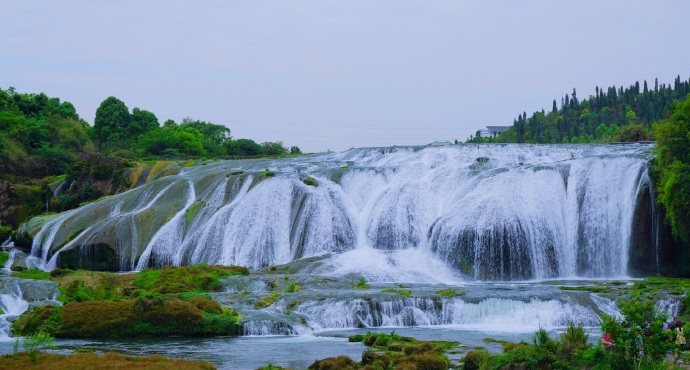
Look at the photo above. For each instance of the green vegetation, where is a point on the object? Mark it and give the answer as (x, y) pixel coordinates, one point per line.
(361, 284)
(292, 287)
(107, 361)
(585, 288)
(268, 173)
(36, 343)
(4, 256)
(196, 278)
(639, 343)
(33, 273)
(5, 232)
(310, 181)
(672, 168)
(169, 301)
(450, 293)
(402, 292)
(611, 115)
(42, 137)
(392, 351)
(267, 300)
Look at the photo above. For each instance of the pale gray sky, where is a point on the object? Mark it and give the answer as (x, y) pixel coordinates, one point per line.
(339, 74)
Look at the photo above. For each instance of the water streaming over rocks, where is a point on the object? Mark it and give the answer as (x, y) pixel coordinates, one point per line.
(484, 212)
(490, 220)
(18, 295)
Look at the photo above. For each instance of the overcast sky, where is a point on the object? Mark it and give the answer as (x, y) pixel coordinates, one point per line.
(339, 74)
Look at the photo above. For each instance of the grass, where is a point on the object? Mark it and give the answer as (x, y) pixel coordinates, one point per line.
(450, 293)
(361, 284)
(105, 361)
(193, 210)
(36, 274)
(158, 167)
(196, 278)
(267, 300)
(585, 288)
(292, 287)
(402, 292)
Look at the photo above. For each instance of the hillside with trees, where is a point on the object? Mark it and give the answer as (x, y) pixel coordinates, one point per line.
(43, 141)
(610, 115)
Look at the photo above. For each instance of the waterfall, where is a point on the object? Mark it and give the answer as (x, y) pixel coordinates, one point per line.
(11, 305)
(485, 212)
(486, 314)
(497, 314)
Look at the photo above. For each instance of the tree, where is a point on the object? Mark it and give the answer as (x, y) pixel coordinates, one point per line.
(673, 164)
(214, 136)
(243, 148)
(274, 148)
(142, 121)
(112, 120)
(638, 337)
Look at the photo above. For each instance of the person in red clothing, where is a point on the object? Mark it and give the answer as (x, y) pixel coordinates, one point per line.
(607, 342)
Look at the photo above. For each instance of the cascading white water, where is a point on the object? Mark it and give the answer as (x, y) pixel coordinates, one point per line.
(488, 314)
(488, 212)
(12, 305)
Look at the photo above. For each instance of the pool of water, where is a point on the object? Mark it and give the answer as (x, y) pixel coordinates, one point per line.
(295, 352)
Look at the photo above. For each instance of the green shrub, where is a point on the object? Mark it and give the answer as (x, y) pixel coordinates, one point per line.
(206, 305)
(46, 319)
(198, 278)
(450, 293)
(473, 360)
(36, 343)
(361, 284)
(4, 256)
(5, 232)
(102, 171)
(423, 361)
(334, 363)
(402, 292)
(291, 287)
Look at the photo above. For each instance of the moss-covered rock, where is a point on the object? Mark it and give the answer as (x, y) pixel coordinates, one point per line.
(310, 181)
(333, 363)
(196, 278)
(144, 316)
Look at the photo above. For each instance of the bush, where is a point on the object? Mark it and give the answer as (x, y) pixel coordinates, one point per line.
(4, 256)
(473, 360)
(206, 305)
(424, 362)
(36, 343)
(334, 363)
(102, 171)
(5, 232)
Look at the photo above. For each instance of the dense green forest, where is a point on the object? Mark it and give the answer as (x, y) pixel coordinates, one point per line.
(611, 115)
(40, 135)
